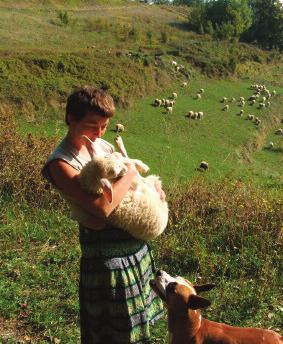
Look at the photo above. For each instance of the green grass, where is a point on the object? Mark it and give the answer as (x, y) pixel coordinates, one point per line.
(225, 224)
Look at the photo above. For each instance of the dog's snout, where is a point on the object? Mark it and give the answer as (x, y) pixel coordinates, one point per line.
(158, 273)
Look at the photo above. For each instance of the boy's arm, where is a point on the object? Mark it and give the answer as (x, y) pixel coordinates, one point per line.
(66, 179)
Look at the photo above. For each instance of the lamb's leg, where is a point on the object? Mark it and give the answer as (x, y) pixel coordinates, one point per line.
(140, 166)
(120, 146)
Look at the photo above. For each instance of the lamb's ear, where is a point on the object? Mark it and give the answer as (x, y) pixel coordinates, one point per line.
(89, 145)
(107, 189)
(197, 302)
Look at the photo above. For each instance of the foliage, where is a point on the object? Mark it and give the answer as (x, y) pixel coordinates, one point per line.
(64, 17)
(227, 18)
(267, 27)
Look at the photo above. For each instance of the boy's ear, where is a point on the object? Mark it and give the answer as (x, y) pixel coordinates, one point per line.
(89, 145)
(107, 189)
(197, 302)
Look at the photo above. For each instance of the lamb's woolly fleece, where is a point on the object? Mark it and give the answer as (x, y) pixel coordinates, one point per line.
(141, 212)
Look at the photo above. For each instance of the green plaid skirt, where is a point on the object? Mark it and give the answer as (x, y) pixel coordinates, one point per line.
(117, 304)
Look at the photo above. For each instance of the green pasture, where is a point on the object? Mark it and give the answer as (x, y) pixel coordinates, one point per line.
(225, 224)
(173, 145)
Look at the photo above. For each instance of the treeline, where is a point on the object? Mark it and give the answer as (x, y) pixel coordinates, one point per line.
(252, 21)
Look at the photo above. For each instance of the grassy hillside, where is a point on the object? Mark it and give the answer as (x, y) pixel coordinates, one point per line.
(225, 224)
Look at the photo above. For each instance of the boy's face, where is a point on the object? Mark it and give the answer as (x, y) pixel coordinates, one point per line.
(91, 125)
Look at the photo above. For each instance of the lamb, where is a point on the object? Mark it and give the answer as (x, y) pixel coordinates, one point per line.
(203, 165)
(185, 84)
(119, 128)
(271, 145)
(224, 100)
(198, 96)
(157, 102)
(226, 107)
(169, 109)
(190, 113)
(174, 95)
(141, 212)
(200, 115)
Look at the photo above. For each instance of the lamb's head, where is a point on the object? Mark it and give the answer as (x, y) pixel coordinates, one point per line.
(98, 174)
(111, 166)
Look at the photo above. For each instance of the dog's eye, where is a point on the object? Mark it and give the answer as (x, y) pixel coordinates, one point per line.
(171, 287)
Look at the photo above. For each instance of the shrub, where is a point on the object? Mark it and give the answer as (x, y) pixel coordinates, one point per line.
(64, 17)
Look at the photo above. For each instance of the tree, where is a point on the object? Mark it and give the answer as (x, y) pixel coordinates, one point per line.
(267, 27)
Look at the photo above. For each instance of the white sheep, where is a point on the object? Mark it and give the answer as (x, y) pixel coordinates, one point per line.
(241, 113)
(185, 84)
(224, 100)
(141, 212)
(190, 113)
(200, 115)
(198, 97)
(169, 109)
(271, 145)
(201, 90)
(157, 102)
(119, 128)
(226, 107)
(203, 165)
(279, 131)
(174, 95)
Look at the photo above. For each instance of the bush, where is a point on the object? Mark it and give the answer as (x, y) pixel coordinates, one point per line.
(64, 17)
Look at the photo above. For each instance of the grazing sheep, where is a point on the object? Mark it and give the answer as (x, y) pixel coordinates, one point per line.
(174, 95)
(169, 109)
(226, 107)
(201, 90)
(261, 105)
(185, 84)
(224, 100)
(174, 63)
(257, 121)
(119, 128)
(203, 165)
(271, 145)
(241, 113)
(141, 212)
(157, 102)
(267, 104)
(190, 113)
(243, 103)
(273, 93)
(200, 115)
(241, 99)
(253, 102)
(279, 131)
(198, 97)
(232, 100)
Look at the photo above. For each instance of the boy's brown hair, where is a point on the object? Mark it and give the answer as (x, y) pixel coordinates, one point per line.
(89, 99)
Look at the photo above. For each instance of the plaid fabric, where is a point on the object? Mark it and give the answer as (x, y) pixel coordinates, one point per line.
(116, 302)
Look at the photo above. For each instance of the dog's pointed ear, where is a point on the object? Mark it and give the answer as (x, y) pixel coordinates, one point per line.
(107, 189)
(204, 287)
(197, 302)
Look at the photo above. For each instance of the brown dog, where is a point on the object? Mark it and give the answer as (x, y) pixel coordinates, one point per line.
(185, 323)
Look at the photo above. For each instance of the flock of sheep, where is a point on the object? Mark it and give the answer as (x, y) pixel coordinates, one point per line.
(261, 99)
